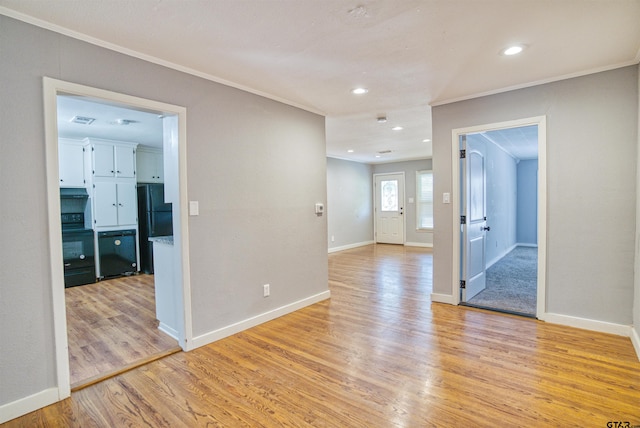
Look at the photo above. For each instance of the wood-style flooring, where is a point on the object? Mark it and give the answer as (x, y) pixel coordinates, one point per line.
(111, 327)
(377, 354)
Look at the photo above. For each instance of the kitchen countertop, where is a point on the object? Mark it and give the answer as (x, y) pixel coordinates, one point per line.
(167, 240)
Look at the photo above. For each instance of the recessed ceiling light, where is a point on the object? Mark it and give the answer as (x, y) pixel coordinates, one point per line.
(513, 50)
(397, 128)
(350, 151)
(377, 156)
(359, 91)
(381, 119)
(426, 140)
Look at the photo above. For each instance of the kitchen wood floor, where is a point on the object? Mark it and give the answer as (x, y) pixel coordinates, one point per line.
(112, 327)
(377, 354)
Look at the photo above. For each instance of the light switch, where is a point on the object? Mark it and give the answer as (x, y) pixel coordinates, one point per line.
(194, 209)
(446, 198)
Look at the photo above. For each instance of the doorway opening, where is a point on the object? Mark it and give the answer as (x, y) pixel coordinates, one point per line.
(79, 328)
(500, 216)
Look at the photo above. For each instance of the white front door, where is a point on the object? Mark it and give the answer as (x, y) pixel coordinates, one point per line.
(473, 220)
(389, 208)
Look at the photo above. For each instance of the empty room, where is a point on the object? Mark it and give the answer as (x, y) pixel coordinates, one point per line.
(336, 184)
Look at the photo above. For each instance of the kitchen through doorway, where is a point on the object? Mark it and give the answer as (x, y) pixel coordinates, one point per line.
(110, 307)
(109, 324)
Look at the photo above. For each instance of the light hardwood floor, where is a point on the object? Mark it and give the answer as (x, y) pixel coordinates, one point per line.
(112, 327)
(377, 354)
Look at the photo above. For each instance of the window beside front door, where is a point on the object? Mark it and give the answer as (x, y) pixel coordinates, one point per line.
(424, 200)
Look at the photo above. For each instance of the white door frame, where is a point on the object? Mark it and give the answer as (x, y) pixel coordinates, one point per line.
(541, 122)
(375, 206)
(51, 88)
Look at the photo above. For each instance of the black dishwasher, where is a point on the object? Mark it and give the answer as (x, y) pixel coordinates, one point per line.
(117, 253)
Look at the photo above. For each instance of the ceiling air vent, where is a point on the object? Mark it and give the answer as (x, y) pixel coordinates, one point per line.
(384, 152)
(82, 120)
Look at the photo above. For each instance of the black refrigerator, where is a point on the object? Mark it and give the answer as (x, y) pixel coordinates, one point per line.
(154, 219)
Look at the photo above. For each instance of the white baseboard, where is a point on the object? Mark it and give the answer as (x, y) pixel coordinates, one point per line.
(168, 330)
(635, 339)
(350, 246)
(418, 244)
(504, 253)
(500, 256)
(229, 330)
(28, 404)
(522, 244)
(443, 298)
(587, 324)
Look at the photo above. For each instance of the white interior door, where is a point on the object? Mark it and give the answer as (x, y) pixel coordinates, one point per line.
(389, 208)
(473, 221)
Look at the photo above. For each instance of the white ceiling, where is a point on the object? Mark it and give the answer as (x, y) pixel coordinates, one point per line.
(146, 128)
(410, 54)
(521, 143)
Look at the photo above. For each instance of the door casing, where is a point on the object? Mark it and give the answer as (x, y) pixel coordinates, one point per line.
(541, 122)
(51, 88)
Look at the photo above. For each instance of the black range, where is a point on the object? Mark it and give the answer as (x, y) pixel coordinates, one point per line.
(78, 250)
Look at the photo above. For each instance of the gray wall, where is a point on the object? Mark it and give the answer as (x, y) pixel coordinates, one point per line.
(527, 216)
(256, 166)
(349, 203)
(409, 168)
(592, 127)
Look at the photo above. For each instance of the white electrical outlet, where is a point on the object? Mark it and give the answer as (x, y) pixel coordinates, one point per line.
(333, 238)
(265, 290)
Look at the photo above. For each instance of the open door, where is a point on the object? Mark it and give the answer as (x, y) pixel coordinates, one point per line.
(473, 219)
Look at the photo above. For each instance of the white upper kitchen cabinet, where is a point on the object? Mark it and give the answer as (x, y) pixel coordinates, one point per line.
(71, 163)
(150, 166)
(115, 204)
(113, 159)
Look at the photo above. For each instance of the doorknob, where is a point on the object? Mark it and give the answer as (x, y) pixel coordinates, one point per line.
(487, 228)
